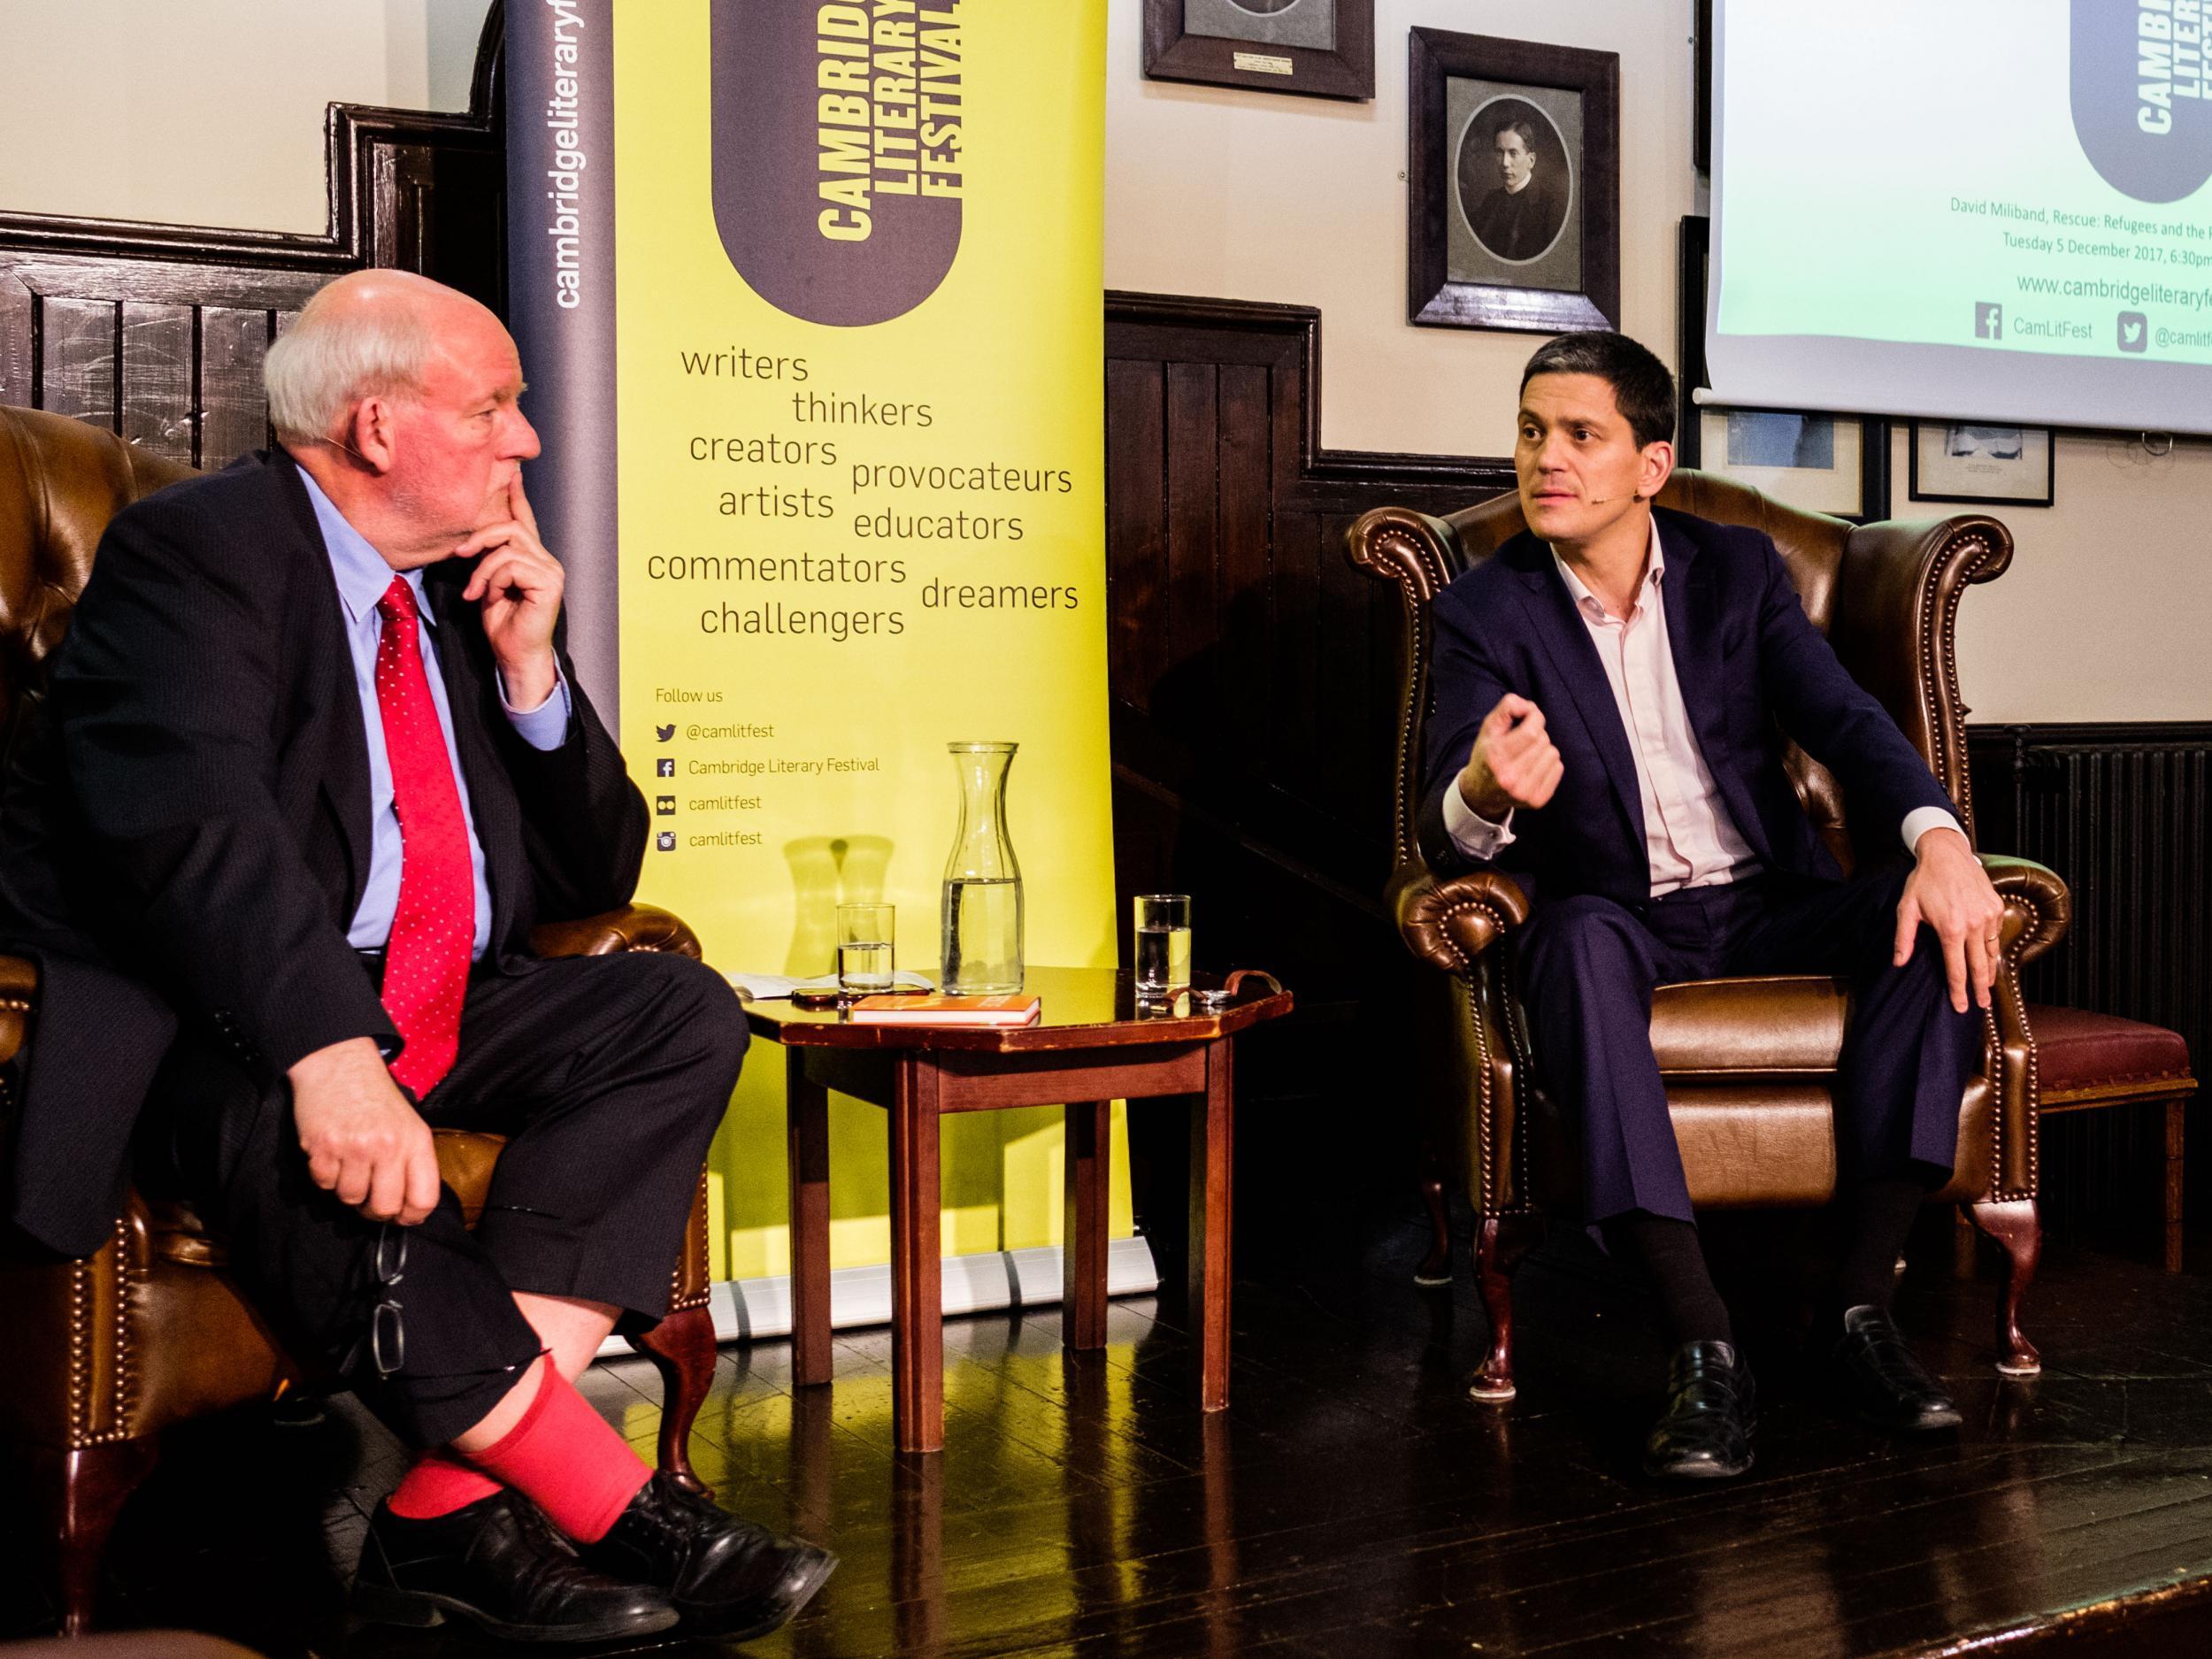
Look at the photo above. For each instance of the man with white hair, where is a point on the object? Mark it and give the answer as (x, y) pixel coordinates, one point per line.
(312, 766)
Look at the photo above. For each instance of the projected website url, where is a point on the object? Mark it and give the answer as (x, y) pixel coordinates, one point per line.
(2127, 293)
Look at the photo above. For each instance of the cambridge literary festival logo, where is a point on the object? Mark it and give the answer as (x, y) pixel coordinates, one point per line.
(2140, 93)
(838, 153)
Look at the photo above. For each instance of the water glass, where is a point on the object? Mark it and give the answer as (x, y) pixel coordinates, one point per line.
(866, 959)
(1163, 943)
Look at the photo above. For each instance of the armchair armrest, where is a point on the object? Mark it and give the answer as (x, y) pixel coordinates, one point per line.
(18, 991)
(1449, 923)
(2038, 906)
(632, 927)
(2037, 909)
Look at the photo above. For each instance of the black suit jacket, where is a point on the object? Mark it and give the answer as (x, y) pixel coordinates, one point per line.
(1752, 667)
(185, 830)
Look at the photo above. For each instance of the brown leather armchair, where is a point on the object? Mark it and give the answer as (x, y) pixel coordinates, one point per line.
(1747, 1062)
(107, 1352)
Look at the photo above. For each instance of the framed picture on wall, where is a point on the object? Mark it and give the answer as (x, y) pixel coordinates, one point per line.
(1823, 463)
(1989, 466)
(1323, 48)
(1513, 217)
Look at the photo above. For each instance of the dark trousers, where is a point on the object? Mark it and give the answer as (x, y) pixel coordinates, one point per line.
(1588, 966)
(609, 1075)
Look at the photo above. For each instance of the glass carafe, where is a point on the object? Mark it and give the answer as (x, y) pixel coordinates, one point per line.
(982, 912)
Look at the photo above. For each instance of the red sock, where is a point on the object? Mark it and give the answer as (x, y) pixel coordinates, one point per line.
(438, 1484)
(565, 1458)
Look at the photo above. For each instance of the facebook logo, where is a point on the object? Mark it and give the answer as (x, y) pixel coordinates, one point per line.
(2135, 332)
(1989, 320)
(665, 766)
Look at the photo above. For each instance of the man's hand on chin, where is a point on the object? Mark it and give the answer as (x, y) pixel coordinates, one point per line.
(1949, 891)
(362, 1140)
(520, 584)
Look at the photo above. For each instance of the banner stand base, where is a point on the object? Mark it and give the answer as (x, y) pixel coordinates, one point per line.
(748, 1308)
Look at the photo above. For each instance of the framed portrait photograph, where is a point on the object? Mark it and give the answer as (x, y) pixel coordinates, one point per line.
(1987, 465)
(1323, 48)
(1822, 462)
(1513, 183)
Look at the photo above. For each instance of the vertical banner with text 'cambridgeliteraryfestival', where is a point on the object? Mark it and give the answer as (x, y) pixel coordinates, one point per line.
(847, 357)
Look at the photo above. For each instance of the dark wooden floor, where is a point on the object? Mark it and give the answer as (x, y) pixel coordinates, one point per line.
(1352, 1501)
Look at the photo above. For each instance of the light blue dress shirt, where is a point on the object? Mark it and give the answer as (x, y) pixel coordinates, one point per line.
(363, 578)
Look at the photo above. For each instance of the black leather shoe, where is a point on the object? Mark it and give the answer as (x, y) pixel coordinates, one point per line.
(726, 1577)
(1884, 1382)
(1712, 1412)
(499, 1564)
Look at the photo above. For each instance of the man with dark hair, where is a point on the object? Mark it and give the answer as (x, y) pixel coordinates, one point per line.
(1520, 217)
(1606, 690)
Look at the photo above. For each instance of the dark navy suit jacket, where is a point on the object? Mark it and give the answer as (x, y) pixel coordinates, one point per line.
(1752, 668)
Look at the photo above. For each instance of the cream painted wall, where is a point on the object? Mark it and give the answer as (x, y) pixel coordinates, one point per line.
(1256, 195)
(212, 115)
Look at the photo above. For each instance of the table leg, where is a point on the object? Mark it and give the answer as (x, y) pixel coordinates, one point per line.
(807, 1120)
(2177, 1118)
(1083, 1232)
(1211, 1117)
(917, 1297)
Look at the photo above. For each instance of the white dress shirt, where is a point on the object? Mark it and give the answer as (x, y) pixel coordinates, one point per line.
(1687, 831)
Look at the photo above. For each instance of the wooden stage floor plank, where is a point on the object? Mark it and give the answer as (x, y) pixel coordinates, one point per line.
(1352, 1503)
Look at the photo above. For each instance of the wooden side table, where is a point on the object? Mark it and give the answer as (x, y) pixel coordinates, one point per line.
(1092, 1046)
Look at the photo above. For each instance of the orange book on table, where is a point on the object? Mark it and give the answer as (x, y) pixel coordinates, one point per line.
(1012, 1008)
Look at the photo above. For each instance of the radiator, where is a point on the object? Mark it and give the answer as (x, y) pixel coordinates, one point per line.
(2122, 813)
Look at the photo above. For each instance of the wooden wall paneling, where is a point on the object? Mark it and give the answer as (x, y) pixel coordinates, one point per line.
(160, 359)
(18, 350)
(77, 359)
(1136, 525)
(180, 371)
(1191, 629)
(234, 407)
(1295, 568)
(1244, 451)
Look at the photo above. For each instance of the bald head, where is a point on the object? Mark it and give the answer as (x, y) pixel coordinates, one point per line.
(368, 334)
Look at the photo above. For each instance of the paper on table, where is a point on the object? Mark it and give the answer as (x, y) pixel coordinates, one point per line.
(761, 988)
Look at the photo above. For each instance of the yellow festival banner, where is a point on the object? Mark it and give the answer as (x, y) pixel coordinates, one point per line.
(856, 350)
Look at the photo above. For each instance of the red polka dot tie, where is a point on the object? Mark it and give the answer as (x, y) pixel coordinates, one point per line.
(426, 961)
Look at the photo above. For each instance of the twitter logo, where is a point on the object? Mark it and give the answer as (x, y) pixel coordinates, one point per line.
(664, 733)
(2135, 334)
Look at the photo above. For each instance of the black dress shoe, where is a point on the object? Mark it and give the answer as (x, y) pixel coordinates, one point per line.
(726, 1577)
(498, 1563)
(1884, 1382)
(1712, 1412)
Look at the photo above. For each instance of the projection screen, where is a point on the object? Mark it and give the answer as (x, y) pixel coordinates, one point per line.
(1983, 210)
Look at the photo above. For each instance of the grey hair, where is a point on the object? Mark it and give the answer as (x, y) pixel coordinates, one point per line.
(331, 358)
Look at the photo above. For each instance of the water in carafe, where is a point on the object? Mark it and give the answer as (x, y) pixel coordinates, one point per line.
(981, 915)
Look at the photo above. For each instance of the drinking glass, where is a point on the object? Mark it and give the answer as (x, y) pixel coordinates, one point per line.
(866, 959)
(1163, 943)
